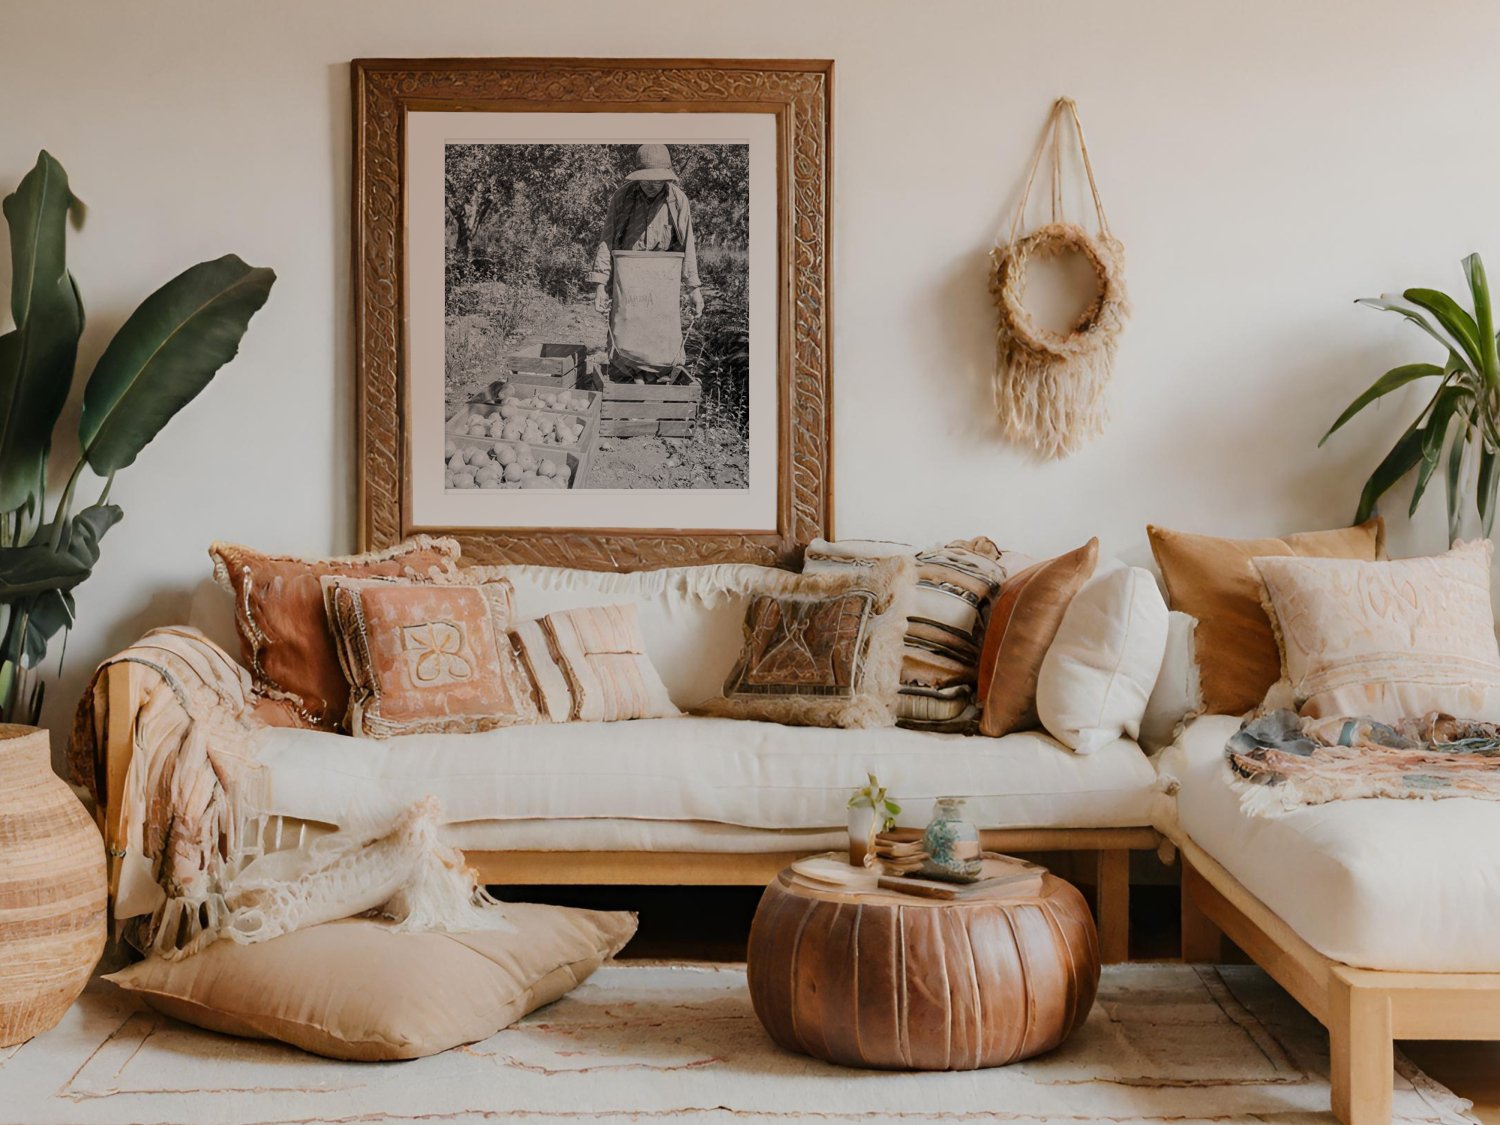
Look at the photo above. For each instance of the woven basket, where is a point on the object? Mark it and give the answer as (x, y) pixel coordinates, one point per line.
(52, 889)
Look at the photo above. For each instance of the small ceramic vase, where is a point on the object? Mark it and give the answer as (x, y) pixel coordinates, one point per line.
(861, 832)
(951, 843)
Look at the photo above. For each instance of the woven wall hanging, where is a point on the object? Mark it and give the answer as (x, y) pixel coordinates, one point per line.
(1049, 386)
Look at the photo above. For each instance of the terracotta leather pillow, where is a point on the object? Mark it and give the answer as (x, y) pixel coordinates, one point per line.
(1023, 622)
(358, 990)
(1215, 581)
(285, 640)
(427, 657)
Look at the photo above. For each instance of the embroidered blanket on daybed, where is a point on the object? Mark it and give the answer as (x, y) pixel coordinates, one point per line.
(189, 849)
(1281, 761)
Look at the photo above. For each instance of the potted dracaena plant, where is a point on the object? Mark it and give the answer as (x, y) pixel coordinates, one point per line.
(1458, 426)
(162, 356)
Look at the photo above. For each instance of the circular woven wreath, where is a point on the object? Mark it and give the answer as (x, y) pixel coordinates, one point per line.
(1096, 326)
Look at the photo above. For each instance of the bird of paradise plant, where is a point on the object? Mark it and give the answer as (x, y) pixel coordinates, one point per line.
(1457, 427)
(162, 356)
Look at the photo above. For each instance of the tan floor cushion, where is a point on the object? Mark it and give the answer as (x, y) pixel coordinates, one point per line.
(358, 990)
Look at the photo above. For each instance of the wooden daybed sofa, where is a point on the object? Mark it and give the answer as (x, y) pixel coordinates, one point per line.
(669, 801)
(1379, 916)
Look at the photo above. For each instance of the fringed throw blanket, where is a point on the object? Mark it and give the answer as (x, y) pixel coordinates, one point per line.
(1281, 761)
(191, 842)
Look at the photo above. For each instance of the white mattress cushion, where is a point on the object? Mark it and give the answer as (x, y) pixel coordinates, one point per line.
(730, 771)
(1379, 884)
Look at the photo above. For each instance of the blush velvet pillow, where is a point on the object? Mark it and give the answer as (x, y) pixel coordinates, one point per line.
(1214, 580)
(1023, 623)
(284, 634)
(1388, 640)
(823, 650)
(424, 657)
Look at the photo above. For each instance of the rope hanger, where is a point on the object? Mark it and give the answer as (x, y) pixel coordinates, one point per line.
(1049, 386)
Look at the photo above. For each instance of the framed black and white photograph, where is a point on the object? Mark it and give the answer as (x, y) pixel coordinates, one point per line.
(601, 305)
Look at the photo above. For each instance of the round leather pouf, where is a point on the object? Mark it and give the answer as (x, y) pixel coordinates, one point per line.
(888, 980)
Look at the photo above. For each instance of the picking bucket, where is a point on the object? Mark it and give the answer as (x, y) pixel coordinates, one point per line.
(645, 320)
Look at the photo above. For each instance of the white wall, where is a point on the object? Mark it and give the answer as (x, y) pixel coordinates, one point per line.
(1264, 164)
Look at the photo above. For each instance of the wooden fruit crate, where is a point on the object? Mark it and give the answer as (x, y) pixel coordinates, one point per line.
(645, 409)
(459, 422)
(576, 461)
(557, 366)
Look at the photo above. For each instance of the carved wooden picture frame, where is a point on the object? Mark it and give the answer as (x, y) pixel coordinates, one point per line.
(389, 95)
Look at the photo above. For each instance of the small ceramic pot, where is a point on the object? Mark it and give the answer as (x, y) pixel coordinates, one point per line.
(861, 832)
(951, 843)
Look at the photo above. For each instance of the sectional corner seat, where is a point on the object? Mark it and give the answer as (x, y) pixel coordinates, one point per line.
(682, 800)
(1378, 915)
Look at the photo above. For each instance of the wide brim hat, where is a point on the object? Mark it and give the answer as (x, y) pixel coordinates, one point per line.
(655, 163)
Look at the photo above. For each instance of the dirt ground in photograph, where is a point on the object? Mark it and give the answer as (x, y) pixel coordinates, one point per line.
(715, 456)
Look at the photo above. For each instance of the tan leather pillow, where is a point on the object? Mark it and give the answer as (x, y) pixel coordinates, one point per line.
(285, 640)
(1215, 581)
(357, 990)
(1023, 622)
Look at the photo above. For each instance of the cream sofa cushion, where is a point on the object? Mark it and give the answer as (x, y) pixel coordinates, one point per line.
(728, 771)
(357, 990)
(1178, 695)
(1379, 884)
(1390, 640)
(1099, 670)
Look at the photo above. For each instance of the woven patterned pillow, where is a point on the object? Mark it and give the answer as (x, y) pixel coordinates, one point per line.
(590, 665)
(823, 649)
(956, 584)
(284, 635)
(427, 657)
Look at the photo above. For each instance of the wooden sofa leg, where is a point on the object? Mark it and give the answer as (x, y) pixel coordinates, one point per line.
(1361, 1052)
(1112, 886)
(1202, 941)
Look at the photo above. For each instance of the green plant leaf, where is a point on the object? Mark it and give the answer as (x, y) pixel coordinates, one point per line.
(37, 567)
(1391, 302)
(1455, 321)
(1455, 475)
(1484, 317)
(166, 353)
(1392, 380)
(1445, 404)
(1402, 458)
(1488, 480)
(37, 356)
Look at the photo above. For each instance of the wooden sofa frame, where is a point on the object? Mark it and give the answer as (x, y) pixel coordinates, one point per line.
(1111, 846)
(1364, 1010)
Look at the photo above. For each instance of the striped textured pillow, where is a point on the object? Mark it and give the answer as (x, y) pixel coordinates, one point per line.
(590, 665)
(956, 583)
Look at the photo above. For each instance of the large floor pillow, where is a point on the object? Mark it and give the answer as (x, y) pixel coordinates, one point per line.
(358, 990)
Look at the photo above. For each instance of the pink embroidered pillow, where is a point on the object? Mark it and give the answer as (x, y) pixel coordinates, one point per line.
(1390, 640)
(590, 665)
(427, 657)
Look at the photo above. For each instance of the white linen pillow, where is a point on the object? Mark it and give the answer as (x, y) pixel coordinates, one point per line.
(1388, 640)
(1178, 694)
(1100, 669)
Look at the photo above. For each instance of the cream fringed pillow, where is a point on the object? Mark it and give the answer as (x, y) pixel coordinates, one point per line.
(425, 657)
(1388, 640)
(823, 649)
(590, 665)
(356, 990)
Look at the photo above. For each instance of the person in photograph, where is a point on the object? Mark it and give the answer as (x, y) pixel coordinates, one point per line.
(648, 212)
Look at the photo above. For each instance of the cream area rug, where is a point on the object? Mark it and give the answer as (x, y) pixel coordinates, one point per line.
(645, 1042)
